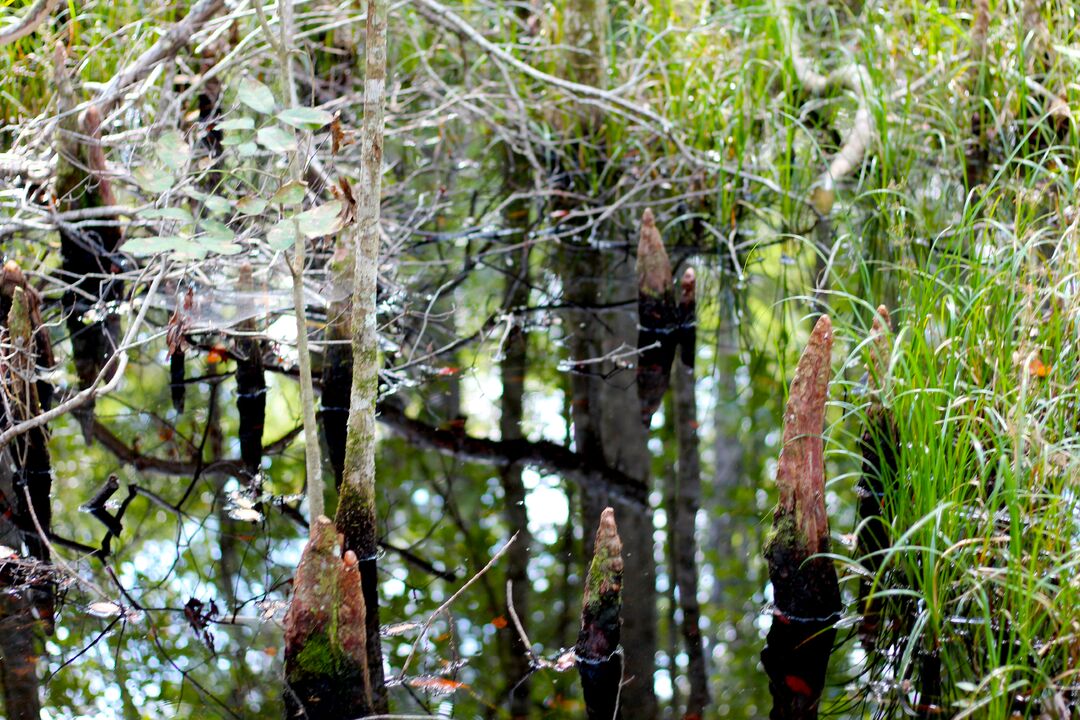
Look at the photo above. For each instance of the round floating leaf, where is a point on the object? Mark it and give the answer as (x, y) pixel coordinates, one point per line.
(276, 140)
(305, 118)
(256, 96)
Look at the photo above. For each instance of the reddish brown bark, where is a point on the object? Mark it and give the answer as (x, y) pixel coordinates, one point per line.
(805, 589)
(325, 632)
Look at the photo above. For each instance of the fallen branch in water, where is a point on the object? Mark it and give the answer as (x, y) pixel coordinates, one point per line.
(855, 79)
(546, 455)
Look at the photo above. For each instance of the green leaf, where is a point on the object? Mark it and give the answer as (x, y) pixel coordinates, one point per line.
(217, 232)
(235, 138)
(240, 123)
(221, 247)
(283, 234)
(305, 118)
(256, 96)
(216, 204)
(167, 213)
(162, 244)
(320, 221)
(276, 140)
(247, 149)
(289, 194)
(153, 179)
(251, 205)
(172, 150)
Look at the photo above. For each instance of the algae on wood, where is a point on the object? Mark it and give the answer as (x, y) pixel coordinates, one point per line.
(599, 660)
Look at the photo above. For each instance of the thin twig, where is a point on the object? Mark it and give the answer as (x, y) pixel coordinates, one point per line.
(450, 601)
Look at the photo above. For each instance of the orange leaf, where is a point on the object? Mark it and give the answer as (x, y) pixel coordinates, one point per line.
(1038, 368)
(214, 356)
(499, 622)
(270, 651)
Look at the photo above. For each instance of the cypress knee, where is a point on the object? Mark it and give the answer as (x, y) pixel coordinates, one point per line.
(805, 588)
(598, 659)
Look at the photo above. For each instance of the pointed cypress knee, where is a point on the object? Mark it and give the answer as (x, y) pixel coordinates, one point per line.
(598, 659)
(325, 633)
(30, 451)
(805, 588)
(657, 319)
(879, 446)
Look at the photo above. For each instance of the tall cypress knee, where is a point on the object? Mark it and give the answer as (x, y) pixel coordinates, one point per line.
(326, 632)
(805, 588)
(657, 320)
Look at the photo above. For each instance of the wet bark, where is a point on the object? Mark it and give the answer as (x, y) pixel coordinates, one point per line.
(19, 650)
(688, 502)
(337, 359)
(250, 388)
(607, 424)
(599, 661)
(89, 250)
(625, 448)
(805, 588)
(26, 600)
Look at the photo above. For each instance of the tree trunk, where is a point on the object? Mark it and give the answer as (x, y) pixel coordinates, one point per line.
(687, 503)
(89, 252)
(18, 657)
(250, 389)
(26, 604)
(512, 370)
(356, 516)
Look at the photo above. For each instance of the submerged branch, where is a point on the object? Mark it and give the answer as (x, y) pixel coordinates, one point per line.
(544, 454)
